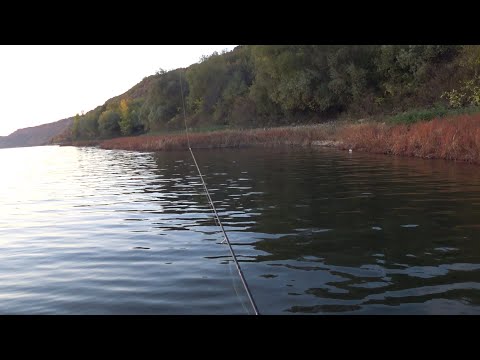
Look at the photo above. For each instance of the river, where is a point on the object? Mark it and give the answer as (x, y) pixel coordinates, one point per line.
(316, 231)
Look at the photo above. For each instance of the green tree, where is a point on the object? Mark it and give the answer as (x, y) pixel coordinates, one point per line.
(108, 123)
(76, 127)
(163, 100)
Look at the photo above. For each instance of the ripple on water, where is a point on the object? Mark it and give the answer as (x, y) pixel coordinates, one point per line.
(89, 231)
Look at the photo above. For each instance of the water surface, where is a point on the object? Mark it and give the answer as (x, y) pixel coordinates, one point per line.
(317, 231)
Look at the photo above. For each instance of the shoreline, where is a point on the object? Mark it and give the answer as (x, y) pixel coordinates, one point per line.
(456, 138)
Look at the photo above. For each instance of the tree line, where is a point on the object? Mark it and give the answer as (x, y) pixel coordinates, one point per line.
(269, 85)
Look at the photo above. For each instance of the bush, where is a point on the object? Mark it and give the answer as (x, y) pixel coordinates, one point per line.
(467, 95)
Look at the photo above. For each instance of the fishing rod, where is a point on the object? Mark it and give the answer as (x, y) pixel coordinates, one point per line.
(216, 217)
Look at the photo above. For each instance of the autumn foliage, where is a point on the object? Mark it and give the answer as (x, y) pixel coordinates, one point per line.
(456, 138)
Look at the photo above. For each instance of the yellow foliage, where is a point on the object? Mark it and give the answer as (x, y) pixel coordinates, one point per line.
(123, 109)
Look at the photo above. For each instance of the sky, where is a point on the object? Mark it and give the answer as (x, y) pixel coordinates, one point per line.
(45, 83)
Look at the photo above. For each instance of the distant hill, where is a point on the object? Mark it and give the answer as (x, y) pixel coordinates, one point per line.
(36, 135)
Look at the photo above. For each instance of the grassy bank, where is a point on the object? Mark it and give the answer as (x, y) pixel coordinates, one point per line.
(298, 135)
(452, 138)
(426, 114)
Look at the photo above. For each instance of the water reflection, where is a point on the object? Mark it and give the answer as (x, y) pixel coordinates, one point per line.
(359, 233)
(316, 230)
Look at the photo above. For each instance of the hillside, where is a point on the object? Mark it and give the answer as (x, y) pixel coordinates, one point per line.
(276, 85)
(256, 86)
(36, 135)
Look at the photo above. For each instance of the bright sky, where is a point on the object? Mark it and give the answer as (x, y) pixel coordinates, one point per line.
(45, 83)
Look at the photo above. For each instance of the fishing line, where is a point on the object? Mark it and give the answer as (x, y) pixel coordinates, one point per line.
(225, 236)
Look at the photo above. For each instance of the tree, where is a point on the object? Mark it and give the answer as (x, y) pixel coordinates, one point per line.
(163, 100)
(76, 127)
(126, 125)
(108, 123)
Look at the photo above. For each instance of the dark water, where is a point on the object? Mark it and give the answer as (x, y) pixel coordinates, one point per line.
(89, 231)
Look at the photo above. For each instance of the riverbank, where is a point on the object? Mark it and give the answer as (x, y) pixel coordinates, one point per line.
(279, 136)
(455, 138)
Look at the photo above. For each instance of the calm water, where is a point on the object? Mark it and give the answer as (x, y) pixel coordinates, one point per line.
(90, 231)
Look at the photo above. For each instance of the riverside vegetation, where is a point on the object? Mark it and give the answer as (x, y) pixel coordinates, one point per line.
(414, 100)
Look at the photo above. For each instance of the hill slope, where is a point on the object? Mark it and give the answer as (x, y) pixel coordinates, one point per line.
(275, 85)
(36, 135)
